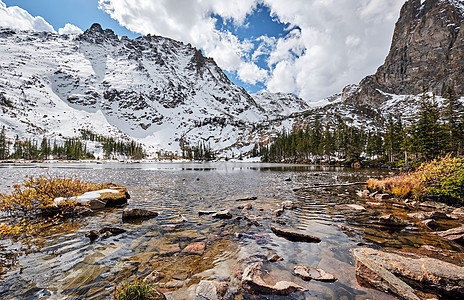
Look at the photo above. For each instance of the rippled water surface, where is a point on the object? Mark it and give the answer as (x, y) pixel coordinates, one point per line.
(60, 263)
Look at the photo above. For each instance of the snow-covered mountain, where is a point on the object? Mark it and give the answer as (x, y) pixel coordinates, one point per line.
(156, 90)
(280, 104)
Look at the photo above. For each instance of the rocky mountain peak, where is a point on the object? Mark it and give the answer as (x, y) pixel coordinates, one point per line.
(96, 34)
(426, 52)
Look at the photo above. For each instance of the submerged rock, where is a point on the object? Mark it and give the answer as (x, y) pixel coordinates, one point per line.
(241, 198)
(383, 270)
(278, 212)
(390, 220)
(154, 277)
(112, 230)
(430, 223)
(275, 258)
(254, 283)
(135, 213)
(92, 235)
(350, 206)
(196, 248)
(454, 234)
(211, 290)
(310, 272)
(436, 215)
(295, 236)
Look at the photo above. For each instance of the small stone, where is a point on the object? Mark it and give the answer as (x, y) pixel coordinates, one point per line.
(248, 206)
(278, 212)
(112, 230)
(83, 210)
(288, 205)
(287, 179)
(154, 276)
(196, 248)
(241, 198)
(106, 234)
(206, 290)
(225, 214)
(309, 272)
(92, 235)
(275, 258)
(204, 212)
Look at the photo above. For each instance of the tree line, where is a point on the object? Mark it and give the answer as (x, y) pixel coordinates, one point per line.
(68, 148)
(435, 130)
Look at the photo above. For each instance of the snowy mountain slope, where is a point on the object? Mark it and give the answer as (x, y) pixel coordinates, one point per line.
(280, 104)
(158, 91)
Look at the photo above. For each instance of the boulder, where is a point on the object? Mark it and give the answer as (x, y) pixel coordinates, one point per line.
(225, 214)
(383, 270)
(310, 272)
(288, 205)
(137, 213)
(112, 196)
(196, 248)
(295, 236)
(206, 290)
(254, 283)
(454, 234)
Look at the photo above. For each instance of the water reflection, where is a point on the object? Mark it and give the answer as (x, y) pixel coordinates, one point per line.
(61, 263)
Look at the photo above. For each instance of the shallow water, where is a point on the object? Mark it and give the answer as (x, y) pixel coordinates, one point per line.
(61, 263)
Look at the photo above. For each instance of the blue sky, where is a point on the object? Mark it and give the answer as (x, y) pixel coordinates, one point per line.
(310, 48)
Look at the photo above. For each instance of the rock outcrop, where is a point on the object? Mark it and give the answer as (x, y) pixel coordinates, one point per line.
(390, 272)
(426, 51)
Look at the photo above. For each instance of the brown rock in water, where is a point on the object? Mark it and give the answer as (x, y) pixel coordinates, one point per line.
(241, 198)
(92, 235)
(390, 220)
(381, 270)
(275, 258)
(135, 213)
(349, 207)
(196, 248)
(310, 272)
(454, 234)
(83, 210)
(253, 282)
(295, 236)
(112, 230)
(225, 214)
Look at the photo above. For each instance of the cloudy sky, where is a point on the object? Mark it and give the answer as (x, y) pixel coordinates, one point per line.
(311, 48)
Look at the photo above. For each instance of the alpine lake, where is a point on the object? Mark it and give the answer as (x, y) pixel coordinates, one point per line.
(61, 263)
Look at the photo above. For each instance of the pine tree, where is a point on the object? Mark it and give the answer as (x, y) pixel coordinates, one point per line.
(453, 127)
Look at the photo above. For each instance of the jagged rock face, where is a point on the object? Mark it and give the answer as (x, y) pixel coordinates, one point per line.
(426, 51)
(280, 104)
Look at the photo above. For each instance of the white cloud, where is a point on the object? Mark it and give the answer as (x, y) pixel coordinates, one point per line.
(337, 43)
(70, 29)
(17, 18)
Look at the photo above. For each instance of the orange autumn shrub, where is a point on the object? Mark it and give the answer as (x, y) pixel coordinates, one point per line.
(443, 178)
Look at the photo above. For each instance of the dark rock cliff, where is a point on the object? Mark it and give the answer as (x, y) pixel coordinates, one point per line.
(427, 50)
